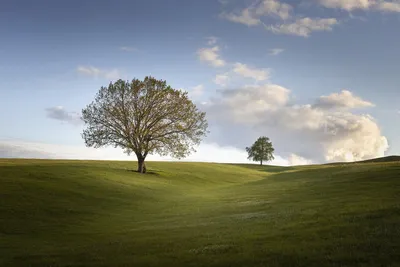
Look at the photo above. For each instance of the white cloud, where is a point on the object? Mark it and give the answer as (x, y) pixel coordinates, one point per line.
(211, 56)
(96, 72)
(304, 26)
(90, 71)
(197, 90)
(343, 100)
(389, 6)
(288, 22)
(349, 5)
(274, 8)
(298, 118)
(276, 51)
(319, 134)
(221, 79)
(357, 137)
(59, 113)
(295, 160)
(128, 49)
(245, 17)
(249, 72)
(250, 16)
(244, 105)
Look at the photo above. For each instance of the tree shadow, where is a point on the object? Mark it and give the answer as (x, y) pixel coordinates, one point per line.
(148, 172)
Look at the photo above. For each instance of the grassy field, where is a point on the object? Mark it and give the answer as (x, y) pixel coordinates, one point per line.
(92, 213)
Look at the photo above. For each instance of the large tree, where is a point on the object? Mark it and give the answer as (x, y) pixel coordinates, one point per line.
(144, 117)
(261, 150)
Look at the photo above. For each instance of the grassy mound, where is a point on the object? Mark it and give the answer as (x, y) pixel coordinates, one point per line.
(387, 159)
(94, 213)
(384, 159)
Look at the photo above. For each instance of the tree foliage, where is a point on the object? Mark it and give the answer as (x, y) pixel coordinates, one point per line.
(144, 117)
(261, 150)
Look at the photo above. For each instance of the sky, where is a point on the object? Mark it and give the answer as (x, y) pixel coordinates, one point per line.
(320, 78)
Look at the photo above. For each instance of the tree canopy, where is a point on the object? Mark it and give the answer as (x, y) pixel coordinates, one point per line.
(261, 150)
(144, 117)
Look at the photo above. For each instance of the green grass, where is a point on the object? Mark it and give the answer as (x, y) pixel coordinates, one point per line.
(93, 213)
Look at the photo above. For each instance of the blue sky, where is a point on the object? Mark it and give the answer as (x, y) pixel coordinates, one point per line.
(55, 55)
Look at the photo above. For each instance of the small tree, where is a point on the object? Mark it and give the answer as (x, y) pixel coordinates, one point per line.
(144, 117)
(261, 150)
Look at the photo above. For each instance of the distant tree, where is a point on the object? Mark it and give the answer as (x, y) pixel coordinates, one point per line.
(261, 150)
(144, 117)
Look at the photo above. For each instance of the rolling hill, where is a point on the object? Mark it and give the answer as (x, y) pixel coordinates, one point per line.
(383, 159)
(374, 160)
(100, 213)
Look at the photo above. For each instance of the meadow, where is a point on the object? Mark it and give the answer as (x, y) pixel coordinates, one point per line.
(103, 213)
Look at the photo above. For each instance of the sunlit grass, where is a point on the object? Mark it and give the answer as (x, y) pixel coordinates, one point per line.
(94, 213)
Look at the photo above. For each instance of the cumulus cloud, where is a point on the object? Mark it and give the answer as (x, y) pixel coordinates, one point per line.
(197, 90)
(251, 16)
(318, 134)
(245, 17)
(221, 79)
(211, 56)
(289, 23)
(113, 74)
(350, 5)
(343, 100)
(249, 72)
(304, 26)
(347, 4)
(389, 6)
(292, 24)
(276, 51)
(274, 8)
(296, 160)
(357, 137)
(59, 113)
(245, 105)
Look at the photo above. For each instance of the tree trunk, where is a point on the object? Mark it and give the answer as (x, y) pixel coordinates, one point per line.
(141, 165)
(261, 163)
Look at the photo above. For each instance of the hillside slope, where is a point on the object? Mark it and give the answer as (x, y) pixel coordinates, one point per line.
(387, 159)
(383, 159)
(93, 213)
